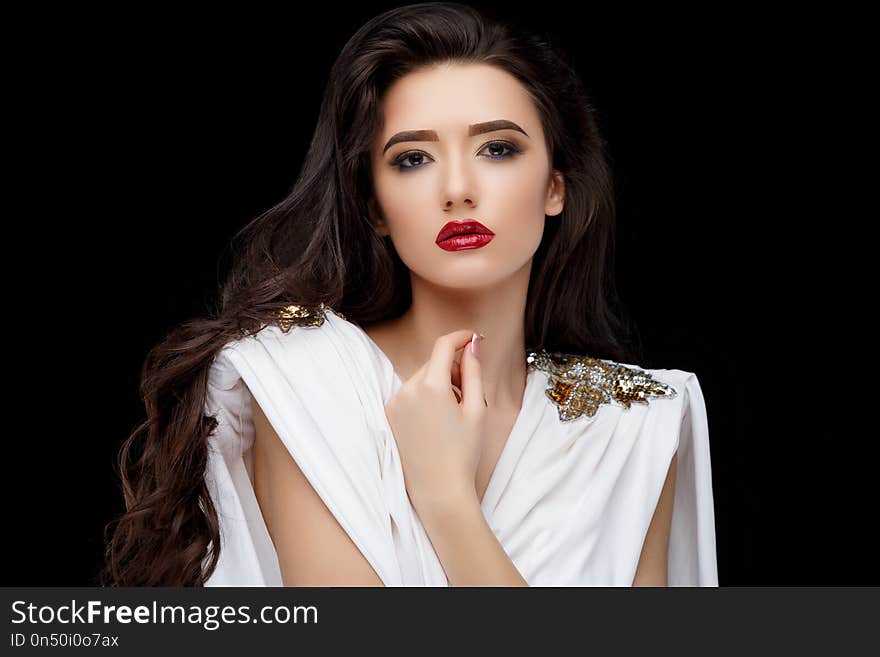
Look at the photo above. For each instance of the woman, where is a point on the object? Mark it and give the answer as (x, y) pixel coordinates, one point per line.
(416, 376)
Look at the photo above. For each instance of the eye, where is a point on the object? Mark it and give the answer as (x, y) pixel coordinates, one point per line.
(419, 155)
(501, 145)
(409, 155)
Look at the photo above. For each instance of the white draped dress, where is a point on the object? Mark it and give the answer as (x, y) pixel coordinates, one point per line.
(570, 500)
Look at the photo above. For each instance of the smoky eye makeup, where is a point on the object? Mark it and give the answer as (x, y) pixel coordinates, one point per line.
(508, 148)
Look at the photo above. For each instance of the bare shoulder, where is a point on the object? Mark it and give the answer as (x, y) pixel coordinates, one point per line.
(313, 549)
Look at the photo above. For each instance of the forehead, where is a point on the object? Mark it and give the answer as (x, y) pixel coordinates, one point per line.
(449, 97)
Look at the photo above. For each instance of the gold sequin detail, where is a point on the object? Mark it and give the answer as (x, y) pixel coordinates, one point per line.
(299, 315)
(580, 384)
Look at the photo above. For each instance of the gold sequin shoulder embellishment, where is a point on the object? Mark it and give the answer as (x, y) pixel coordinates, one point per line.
(298, 315)
(580, 384)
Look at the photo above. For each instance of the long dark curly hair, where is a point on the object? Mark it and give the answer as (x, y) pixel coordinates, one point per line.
(317, 245)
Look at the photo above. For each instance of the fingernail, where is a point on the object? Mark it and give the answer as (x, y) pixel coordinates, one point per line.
(475, 344)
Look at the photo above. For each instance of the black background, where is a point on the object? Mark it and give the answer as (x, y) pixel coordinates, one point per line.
(145, 141)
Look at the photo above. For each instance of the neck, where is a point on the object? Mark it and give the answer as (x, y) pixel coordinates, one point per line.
(496, 311)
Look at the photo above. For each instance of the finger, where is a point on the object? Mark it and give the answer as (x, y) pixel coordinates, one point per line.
(473, 399)
(440, 364)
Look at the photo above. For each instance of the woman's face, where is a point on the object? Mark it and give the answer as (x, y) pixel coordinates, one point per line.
(500, 178)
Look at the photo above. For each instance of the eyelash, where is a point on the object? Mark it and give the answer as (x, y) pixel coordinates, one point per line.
(405, 156)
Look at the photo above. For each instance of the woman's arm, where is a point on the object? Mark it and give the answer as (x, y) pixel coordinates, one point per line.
(652, 567)
(466, 546)
(472, 556)
(439, 437)
(313, 549)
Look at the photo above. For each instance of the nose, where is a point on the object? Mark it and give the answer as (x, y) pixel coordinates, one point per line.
(459, 184)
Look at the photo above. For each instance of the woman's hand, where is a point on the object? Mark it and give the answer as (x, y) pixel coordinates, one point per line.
(440, 438)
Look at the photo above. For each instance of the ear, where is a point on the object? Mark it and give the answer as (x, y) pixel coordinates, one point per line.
(555, 195)
(376, 218)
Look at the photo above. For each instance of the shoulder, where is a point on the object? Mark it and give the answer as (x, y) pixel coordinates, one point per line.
(581, 384)
(305, 344)
(689, 406)
(270, 338)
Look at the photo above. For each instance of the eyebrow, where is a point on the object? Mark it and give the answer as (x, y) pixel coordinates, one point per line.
(431, 135)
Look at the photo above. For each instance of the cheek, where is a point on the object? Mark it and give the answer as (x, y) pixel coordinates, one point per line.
(515, 195)
(401, 195)
(514, 200)
(409, 219)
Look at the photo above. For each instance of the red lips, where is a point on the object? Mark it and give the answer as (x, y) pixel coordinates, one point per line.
(466, 227)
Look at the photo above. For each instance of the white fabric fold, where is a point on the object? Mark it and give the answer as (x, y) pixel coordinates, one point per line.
(570, 502)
